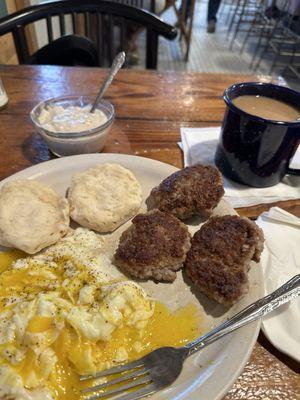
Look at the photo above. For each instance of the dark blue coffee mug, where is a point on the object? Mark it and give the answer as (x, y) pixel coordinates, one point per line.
(253, 150)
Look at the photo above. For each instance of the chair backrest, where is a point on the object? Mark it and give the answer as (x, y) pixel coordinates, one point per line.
(144, 4)
(105, 16)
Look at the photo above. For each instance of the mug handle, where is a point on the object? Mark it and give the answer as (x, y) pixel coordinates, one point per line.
(294, 171)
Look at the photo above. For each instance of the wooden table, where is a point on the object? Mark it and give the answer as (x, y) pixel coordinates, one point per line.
(150, 109)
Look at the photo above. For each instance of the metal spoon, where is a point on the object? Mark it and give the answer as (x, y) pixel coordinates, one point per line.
(116, 65)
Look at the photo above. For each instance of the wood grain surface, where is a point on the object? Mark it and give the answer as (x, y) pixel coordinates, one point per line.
(150, 109)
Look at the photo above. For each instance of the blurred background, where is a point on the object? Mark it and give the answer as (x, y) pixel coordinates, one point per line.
(227, 36)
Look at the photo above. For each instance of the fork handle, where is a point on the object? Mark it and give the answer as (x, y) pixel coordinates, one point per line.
(254, 311)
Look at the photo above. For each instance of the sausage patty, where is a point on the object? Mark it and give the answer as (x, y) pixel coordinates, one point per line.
(192, 190)
(154, 246)
(220, 256)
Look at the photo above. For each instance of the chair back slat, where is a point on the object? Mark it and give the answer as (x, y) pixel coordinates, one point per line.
(123, 33)
(104, 39)
(49, 28)
(62, 24)
(21, 44)
(111, 49)
(99, 37)
(74, 22)
(152, 6)
(87, 29)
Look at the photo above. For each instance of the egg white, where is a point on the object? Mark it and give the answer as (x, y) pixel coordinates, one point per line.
(74, 285)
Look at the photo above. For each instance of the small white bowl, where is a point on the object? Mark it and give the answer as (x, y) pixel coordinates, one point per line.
(70, 143)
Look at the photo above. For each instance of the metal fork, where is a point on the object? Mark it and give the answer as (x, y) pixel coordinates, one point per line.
(162, 367)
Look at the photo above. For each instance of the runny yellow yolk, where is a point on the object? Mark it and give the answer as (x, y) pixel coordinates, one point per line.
(8, 257)
(165, 328)
(39, 324)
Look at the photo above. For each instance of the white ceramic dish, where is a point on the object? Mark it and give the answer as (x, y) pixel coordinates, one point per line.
(280, 260)
(282, 329)
(209, 374)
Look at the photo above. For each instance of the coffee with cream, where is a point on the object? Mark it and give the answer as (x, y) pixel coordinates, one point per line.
(266, 107)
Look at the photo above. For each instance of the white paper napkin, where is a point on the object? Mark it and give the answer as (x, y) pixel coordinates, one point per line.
(199, 145)
(281, 261)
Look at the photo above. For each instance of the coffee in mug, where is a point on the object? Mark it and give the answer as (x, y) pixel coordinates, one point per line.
(267, 108)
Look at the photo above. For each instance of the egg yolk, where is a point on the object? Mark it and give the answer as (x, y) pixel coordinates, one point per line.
(8, 257)
(164, 328)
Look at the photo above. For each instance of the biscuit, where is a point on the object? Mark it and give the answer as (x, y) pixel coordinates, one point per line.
(32, 216)
(104, 197)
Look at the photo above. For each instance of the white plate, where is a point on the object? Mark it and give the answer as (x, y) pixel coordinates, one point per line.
(282, 329)
(209, 374)
(280, 260)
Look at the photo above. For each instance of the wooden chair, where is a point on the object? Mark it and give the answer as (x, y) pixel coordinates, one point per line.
(184, 21)
(105, 15)
(185, 25)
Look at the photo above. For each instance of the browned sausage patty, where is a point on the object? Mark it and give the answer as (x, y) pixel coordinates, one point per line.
(154, 246)
(220, 256)
(192, 190)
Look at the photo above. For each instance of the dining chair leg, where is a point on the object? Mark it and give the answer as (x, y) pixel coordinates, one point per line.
(257, 46)
(249, 32)
(276, 57)
(238, 24)
(263, 52)
(190, 30)
(286, 39)
(236, 8)
(267, 32)
(293, 59)
(231, 6)
(222, 9)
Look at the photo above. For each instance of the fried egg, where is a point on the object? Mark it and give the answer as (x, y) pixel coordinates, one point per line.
(69, 311)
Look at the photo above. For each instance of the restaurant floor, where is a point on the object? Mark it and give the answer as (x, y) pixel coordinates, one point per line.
(211, 52)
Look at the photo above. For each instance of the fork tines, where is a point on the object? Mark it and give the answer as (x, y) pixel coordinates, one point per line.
(115, 370)
(132, 377)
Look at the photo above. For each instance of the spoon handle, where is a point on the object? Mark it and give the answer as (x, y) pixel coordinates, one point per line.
(116, 65)
(290, 290)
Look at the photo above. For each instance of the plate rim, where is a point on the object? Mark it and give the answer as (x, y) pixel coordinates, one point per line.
(255, 326)
(276, 343)
(61, 160)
